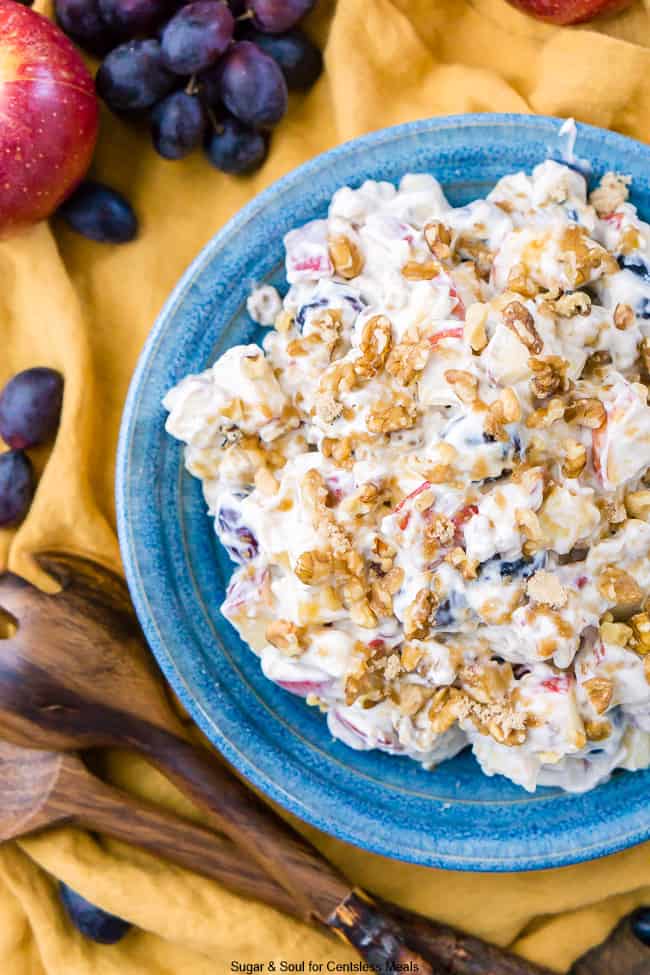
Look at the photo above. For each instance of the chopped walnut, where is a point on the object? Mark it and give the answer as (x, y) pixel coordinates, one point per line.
(477, 251)
(619, 633)
(640, 624)
(581, 256)
(408, 358)
(575, 458)
(328, 408)
(438, 238)
(624, 316)
(346, 257)
(419, 617)
(520, 321)
(313, 567)
(464, 383)
(412, 698)
(546, 415)
(421, 270)
(597, 730)
(338, 378)
(411, 656)
(504, 410)
(599, 691)
(340, 451)
(571, 304)
(363, 615)
(398, 415)
(610, 194)
(549, 375)
(520, 281)
(376, 339)
(586, 413)
(545, 587)
(619, 587)
(286, 636)
(448, 704)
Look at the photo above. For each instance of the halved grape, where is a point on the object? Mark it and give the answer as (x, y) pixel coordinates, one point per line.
(30, 407)
(299, 58)
(83, 22)
(235, 148)
(133, 76)
(16, 487)
(177, 125)
(276, 16)
(100, 213)
(197, 36)
(253, 86)
(130, 17)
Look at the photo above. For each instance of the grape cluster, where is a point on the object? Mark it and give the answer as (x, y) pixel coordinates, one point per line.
(207, 72)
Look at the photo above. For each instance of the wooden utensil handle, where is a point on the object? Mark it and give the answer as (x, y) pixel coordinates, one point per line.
(621, 954)
(459, 953)
(104, 808)
(237, 812)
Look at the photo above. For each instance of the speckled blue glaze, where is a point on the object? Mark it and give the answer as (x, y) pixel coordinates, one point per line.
(454, 817)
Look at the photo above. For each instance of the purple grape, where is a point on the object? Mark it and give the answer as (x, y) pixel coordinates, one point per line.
(100, 213)
(130, 17)
(177, 125)
(276, 16)
(82, 21)
(234, 148)
(253, 86)
(30, 407)
(16, 487)
(133, 76)
(237, 7)
(92, 921)
(197, 36)
(299, 58)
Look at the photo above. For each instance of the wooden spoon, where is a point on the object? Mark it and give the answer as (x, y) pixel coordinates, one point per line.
(77, 674)
(39, 789)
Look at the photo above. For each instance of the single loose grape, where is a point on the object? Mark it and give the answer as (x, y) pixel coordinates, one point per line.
(133, 76)
(235, 148)
(100, 213)
(299, 58)
(30, 407)
(276, 16)
(92, 921)
(252, 85)
(177, 125)
(16, 487)
(197, 36)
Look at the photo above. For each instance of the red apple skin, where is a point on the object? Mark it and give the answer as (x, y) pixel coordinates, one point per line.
(570, 11)
(48, 117)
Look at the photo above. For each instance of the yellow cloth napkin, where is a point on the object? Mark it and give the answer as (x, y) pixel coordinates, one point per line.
(86, 309)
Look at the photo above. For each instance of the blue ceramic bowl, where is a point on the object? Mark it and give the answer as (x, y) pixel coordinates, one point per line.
(453, 817)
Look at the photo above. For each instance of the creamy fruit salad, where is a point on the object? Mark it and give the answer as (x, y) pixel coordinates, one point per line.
(434, 474)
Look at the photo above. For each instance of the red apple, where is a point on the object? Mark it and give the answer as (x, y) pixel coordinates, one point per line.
(48, 117)
(569, 11)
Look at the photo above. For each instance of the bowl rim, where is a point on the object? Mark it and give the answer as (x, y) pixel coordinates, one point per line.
(540, 124)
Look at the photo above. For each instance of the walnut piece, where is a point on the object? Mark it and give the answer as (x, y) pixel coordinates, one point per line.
(419, 617)
(599, 691)
(549, 375)
(286, 636)
(438, 238)
(610, 194)
(398, 415)
(346, 257)
(586, 413)
(520, 321)
(619, 587)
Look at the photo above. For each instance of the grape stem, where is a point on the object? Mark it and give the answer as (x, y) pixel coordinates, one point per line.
(213, 120)
(192, 87)
(247, 16)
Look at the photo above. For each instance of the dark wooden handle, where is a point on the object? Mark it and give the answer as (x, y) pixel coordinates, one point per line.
(91, 803)
(457, 952)
(621, 954)
(237, 812)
